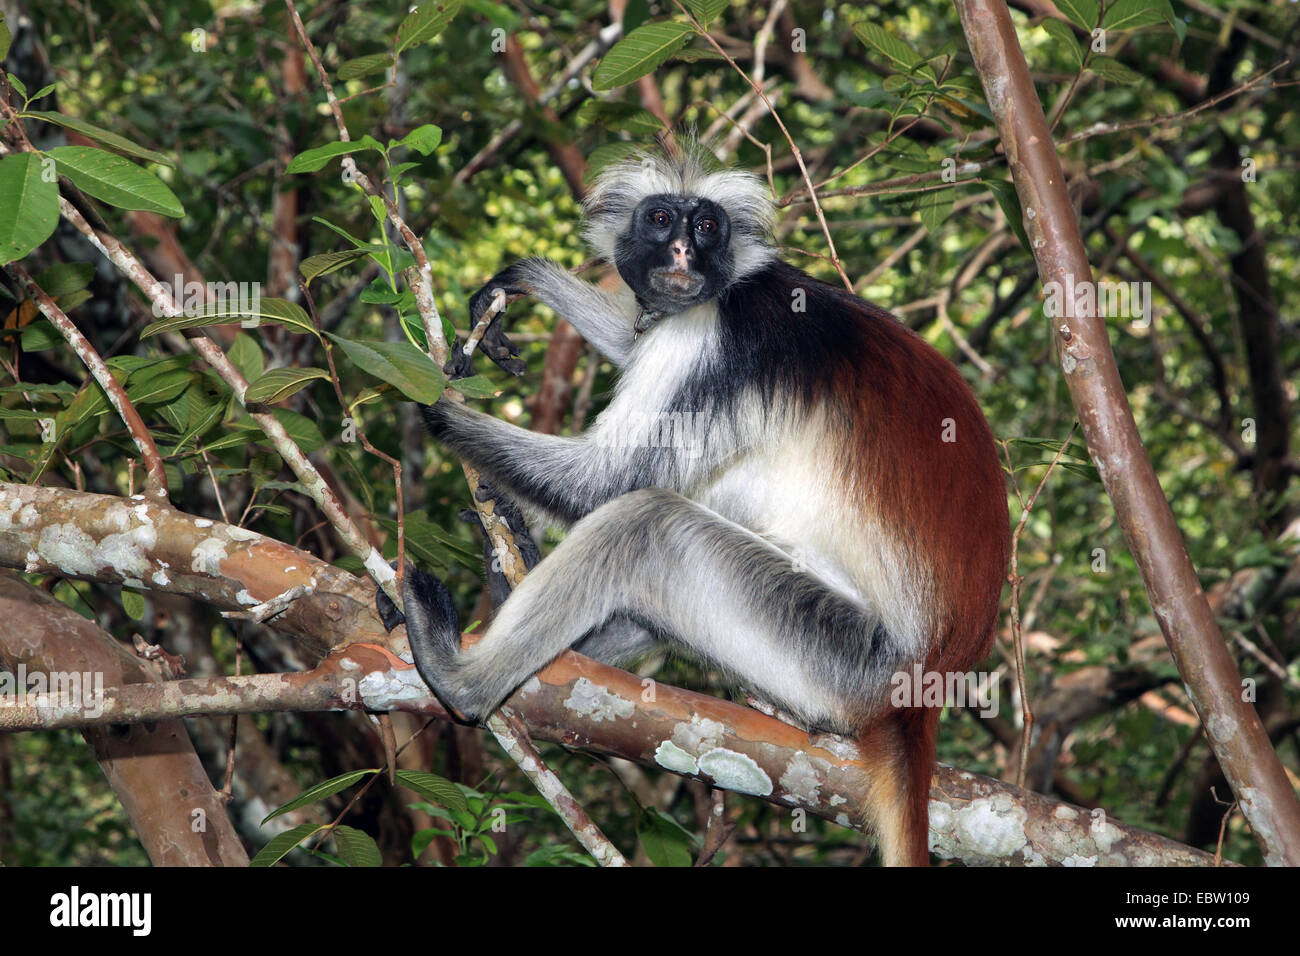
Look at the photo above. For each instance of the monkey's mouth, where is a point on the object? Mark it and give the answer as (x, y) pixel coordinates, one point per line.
(676, 283)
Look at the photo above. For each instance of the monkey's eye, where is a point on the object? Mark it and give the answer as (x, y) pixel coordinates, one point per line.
(661, 217)
(706, 226)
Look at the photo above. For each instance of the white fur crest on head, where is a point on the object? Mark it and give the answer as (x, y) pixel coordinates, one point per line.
(621, 186)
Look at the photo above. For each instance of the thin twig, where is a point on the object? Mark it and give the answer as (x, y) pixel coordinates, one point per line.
(1013, 575)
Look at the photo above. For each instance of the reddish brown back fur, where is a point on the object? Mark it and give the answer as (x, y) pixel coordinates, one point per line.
(948, 500)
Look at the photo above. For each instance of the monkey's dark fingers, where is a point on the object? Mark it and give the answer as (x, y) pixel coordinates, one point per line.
(501, 350)
(501, 289)
(388, 611)
(495, 345)
(459, 365)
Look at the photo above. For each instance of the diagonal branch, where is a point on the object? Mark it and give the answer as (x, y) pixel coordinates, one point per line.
(1232, 726)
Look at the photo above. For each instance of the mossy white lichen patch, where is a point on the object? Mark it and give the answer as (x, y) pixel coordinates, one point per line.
(597, 703)
(672, 757)
(384, 688)
(1103, 833)
(207, 555)
(73, 551)
(698, 734)
(14, 514)
(802, 779)
(986, 830)
(736, 771)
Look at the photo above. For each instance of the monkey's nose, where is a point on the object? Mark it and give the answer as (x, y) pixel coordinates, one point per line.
(680, 252)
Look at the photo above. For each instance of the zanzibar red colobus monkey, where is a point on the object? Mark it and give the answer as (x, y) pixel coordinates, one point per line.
(837, 515)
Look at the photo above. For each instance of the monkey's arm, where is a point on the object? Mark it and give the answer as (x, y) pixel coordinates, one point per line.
(593, 312)
(567, 477)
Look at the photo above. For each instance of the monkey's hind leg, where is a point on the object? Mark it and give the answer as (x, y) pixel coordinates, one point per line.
(712, 586)
(432, 629)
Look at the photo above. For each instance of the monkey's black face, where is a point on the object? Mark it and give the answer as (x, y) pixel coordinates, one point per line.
(676, 253)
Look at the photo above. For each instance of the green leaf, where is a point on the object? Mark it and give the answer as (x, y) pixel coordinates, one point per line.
(133, 603)
(313, 267)
(434, 788)
(357, 848)
(40, 335)
(695, 54)
(205, 420)
(426, 22)
(65, 278)
(620, 116)
(635, 14)
(432, 545)
(1064, 36)
(706, 10)
(1082, 13)
(29, 206)
(895, 49)
(280, 844)
(423, 139)
(310, 160)
(1136, 14)
(606, 155)
(277, 311)
(305, 433)
(5, 38)
(44, 91)
(663, 840)
(18, 85)
(240, 435)
(640, 52)
(106, 137)
(246, 355)
(116, 181)
(326, 788)
(155, 389)
(476, 386)
(365, 65)
(1112, 71)
(1005, 193)
(279, 383)
(395, 171)
(91, 402)
(400, 364)
(935, 207)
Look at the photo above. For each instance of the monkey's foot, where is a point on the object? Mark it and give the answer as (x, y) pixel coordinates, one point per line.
(433, 631)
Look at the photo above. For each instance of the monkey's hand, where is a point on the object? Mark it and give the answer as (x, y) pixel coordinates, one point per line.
(433, 631)
(506, 285)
